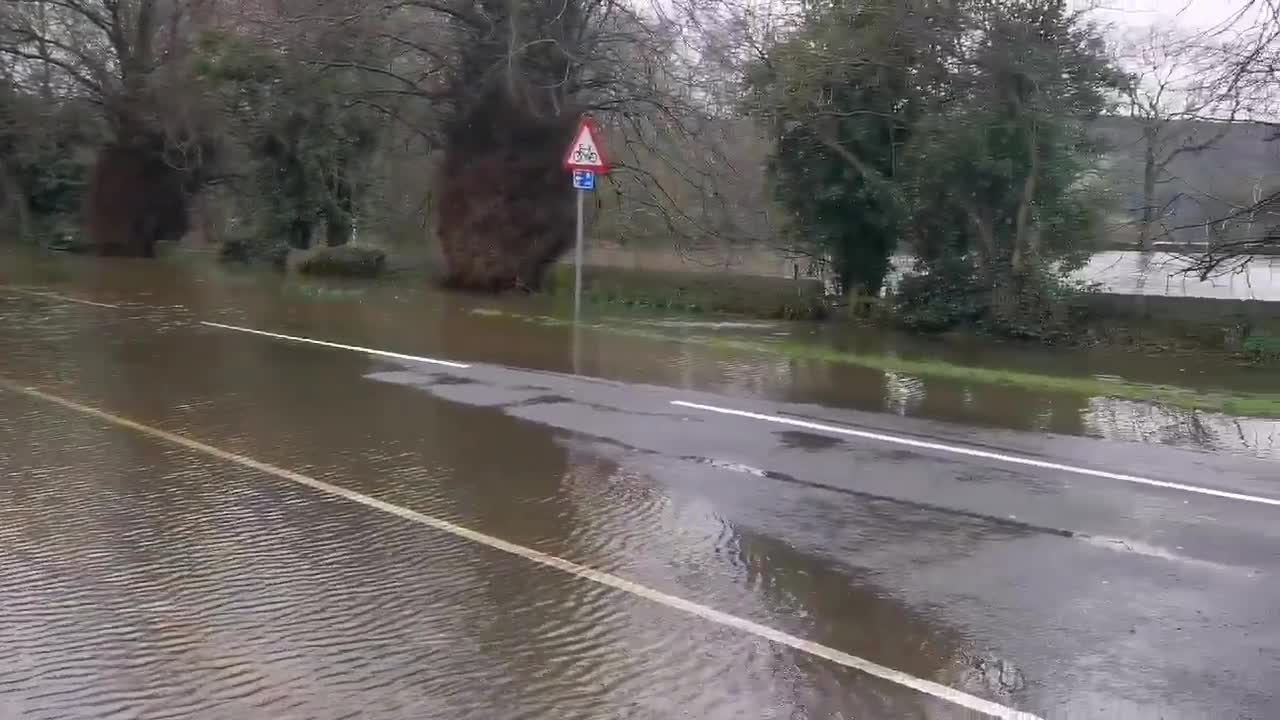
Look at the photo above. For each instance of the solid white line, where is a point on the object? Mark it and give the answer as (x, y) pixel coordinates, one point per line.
(909, 442)
(927, 687)
(984, 454)
(56, 296)
(340, 346)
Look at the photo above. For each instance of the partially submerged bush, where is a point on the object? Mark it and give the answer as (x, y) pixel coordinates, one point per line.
(345, 260)
(717, 293)
(1263, 348)
(1040, 304)
(937, 301)
(275, 252)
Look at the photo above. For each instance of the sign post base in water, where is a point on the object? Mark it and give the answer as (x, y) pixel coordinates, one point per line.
(584, 159)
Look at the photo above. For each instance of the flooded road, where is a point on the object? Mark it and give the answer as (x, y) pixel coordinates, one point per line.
(434, 515)
(412, 317)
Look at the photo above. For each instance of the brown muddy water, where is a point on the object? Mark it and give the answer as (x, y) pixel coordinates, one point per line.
(407, 314)
(146, 578)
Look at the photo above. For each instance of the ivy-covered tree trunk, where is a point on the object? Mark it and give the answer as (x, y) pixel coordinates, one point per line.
(506, 205)
(338, 217)
(506, 208)
(135, 200)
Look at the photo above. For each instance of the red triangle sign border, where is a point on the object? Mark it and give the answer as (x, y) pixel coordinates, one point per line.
(585, 152)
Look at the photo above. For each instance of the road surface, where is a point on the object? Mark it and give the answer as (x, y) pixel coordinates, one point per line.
(215, 514)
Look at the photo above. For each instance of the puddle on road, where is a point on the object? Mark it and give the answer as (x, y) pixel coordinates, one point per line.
(807, 440)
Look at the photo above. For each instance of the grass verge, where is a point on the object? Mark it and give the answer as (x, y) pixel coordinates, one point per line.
(1244, 404)
(773, 298)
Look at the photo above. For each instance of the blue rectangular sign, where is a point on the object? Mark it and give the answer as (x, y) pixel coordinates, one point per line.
(584, 180)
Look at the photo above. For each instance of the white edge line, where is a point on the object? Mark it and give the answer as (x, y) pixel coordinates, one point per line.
(954, 449)
(56, 296)
(340, 346)
(927, 687)
(984, 454)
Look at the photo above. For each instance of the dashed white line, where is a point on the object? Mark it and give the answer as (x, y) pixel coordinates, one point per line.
(339, 346)
(56, 296)
(984, 454)
(927, 687)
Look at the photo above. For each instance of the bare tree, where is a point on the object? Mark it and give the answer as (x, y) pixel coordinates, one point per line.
(1245, 69)
(1181, 109)
(120, 58)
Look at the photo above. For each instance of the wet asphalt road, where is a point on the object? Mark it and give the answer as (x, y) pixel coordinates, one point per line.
(144, 579)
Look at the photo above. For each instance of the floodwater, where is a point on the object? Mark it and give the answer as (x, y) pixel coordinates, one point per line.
(140, 578)
(409, 315)
(1157, 273)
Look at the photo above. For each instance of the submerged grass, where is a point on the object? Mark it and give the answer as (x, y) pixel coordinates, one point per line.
(1244, 404)
(770, 298)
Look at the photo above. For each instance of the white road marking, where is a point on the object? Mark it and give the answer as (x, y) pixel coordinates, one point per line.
(881, 437)
(779, 637)
(984, 454)
(340, 346)
(56, 296)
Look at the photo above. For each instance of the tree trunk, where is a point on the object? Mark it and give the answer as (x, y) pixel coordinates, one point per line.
(506, 207)
(300, 235)
(337, 232)
(13, 202)
(338, 220)
(1149, 170)
(135, 200)
(1025, 245)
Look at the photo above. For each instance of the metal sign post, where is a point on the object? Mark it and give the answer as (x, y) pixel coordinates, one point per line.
(584, 159)
(577, 259)
(583, 181)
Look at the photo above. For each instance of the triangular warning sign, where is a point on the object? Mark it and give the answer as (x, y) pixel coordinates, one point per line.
(584, 152)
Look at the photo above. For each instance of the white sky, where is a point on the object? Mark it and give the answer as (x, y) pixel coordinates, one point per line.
(1191, 15)
(1128, 24)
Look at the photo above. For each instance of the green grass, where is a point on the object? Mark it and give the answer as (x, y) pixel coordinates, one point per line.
(693, 292)
(1246, 404)
(1263, 347)
(343, 261)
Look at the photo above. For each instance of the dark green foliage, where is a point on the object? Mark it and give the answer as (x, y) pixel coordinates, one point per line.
(250, 248)
(301, 147)
(345, 261)
(42, 174)
(1000, 173)
(714, 293)
(1000, 178)
(954, 129)
(939, 300)
(843, 95)
(1263, 348)
(854, 221)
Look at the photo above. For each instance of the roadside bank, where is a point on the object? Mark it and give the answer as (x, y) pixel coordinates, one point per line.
(1245, 403)
(1238, 330)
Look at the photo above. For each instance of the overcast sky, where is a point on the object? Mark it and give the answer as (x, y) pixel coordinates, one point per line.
(1129, 23)
(1190, 15)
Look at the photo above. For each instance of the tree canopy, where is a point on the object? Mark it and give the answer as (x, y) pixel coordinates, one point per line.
(953, 133)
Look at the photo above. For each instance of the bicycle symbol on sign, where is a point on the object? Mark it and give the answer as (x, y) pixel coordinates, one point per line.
(586, 155)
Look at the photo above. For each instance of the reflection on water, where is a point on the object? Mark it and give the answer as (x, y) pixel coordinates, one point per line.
(190, 582)
(195, 586)
(1125, 420)
(407, 315)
